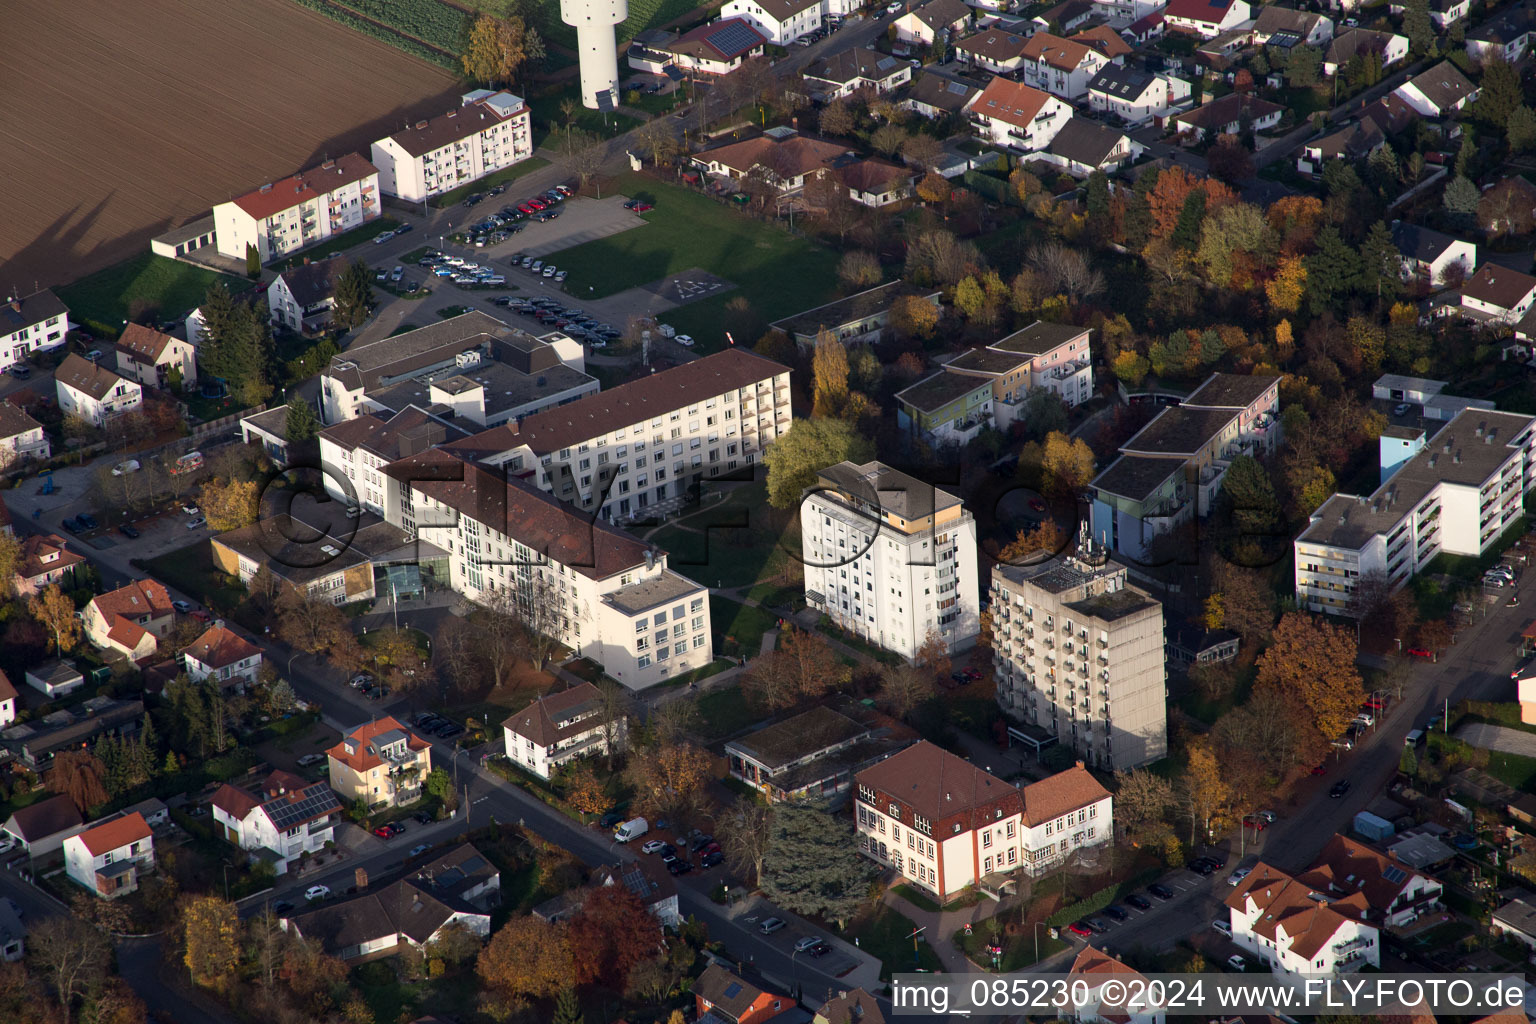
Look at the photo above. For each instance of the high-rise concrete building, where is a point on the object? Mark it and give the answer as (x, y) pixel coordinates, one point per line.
(1078, 654)
(595, 22)
(890, 558)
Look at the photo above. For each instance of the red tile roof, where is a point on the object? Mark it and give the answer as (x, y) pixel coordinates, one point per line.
(1096, 967)
(121, 608)
(7, 690)
(1104, 39)
(941, 787)
(364, 758)
(1065, 791)
(1287, 903)
(38, 547)
(305, 186)
(1208, 12)
(144, 343)
(219, 647)
(237, 802)
(1346, 867)
(1056, 51)
(115, 834)
(1010, 102)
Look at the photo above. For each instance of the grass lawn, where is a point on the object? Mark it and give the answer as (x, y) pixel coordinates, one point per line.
(772, 595)
(884, 935)
(486, 183)
(347, 239)
(102, 301)
(738, 627)
(191, 571)
(774, 270)
(734, 542)
(723, 712)
(549, 119)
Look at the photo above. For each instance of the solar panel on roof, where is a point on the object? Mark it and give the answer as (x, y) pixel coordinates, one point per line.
(605, 101)
(1394, 874)
(733, 990)
(886, 63)
(733, 37)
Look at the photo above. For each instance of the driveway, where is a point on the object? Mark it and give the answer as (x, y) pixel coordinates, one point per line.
(1498, 737)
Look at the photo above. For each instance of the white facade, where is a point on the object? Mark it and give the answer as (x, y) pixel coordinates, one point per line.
(100, 397)
(780, 21)
(1158, 96)
(27, 441)
(1498, 293)
(106, 859)
(1326, 942)
(1061, 67)
(1458, 494)
(488, 132)
(890, 558)
(1017, 116)
(555, 730)
(38, 322)
(299, 211)
(255, 832)
(1203, 19)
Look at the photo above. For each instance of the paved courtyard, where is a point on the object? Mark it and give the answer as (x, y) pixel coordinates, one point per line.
(1498, 737)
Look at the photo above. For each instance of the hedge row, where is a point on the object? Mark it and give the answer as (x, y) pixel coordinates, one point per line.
(400, 42)
(1091, 905)
(435, 23)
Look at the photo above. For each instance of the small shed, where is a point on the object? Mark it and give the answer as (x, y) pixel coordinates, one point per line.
(1373, 826)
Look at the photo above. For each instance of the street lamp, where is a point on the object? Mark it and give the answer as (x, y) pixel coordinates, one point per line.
(1037, 941)
(226, 881)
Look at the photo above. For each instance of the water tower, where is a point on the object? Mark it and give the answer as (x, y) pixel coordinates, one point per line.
(594, 22)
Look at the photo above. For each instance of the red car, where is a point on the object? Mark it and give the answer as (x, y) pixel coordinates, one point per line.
(526, 208)
(1420, 652)
(1079, 928)
(1255, 822)
(1375, 704)
(538, 204)
(643, 208)
(971, 674)
(384, 832)
(202, 616)
(1321, 769)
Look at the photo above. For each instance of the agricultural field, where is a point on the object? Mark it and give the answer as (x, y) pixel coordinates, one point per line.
(643, 14)
(124, 131)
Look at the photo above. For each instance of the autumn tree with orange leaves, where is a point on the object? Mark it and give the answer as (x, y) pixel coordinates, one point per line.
(613, 933)
(528, 958)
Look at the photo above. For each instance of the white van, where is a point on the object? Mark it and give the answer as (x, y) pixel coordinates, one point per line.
(1414, 738)
(634, 828)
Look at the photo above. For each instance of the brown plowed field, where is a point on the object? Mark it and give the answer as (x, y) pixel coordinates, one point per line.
(120, 120)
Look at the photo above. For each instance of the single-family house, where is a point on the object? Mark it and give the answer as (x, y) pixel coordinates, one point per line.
(1497, 293)
(1429, 254)
(279, 820)
(717, 48)
(224, 656)
(1293, 929)
(381, 763)
(404, 913)
(787, 161)
(851, 1006)
(876, 183)
(93, 392)
(301, 298)
(108, 857)
(130, 620)
(1445, 13)
(1018, 116)
(1122, 13)
(560, 727)
(649, 882)
(1354, 142)
(1084, 146)
(994, 49)
(1391, 47)
(1145, 28)
(1061, 67)
(1286, 27)
(8, 698)
(1228, 115)
(156, 359)
(1134, 95)
(463, 873)
(1066, 16)
(1395, 894)
(1439, 92)
(1507, 35)
(933, 96)
(41, 828)
(1205, 18)
(780, 21)
(1390, 114)
(28, 324)
(1105, 40)
(45, 559)
(934, 20)
(55, 678)
(857, 69)
(1088, 975)
(1516, 919)
(722, 997)
(21, 437)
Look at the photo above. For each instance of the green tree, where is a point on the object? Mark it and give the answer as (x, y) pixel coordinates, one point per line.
(1417, 26)
(354, 296)
(1248, 495)
(252, 261)
(1333, 269)
(1186, 233)
(1303, 67)
(1461, 197)
(1380, 263)
(1520, 129)
(1498, 92)
(810, 867)
(809, 447)
(303, 425)
(481, 58)
(1098, 196)
(437, 783)
(567, 1009)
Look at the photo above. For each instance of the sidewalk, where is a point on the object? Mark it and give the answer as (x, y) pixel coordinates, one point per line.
(942, 925)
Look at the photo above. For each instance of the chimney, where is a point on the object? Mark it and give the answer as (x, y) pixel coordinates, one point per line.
(1081, 765)
(16, 305)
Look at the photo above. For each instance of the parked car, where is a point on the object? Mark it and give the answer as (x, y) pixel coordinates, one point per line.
(402, 229)
(417, 851)
(451, 730)
(1401, 409)
(1080, 928)
(128, 530)
(70, 524)
(202, 616)
(807, 944)
(1224, 927)
(1139, 901)
(384, 832)
(680, 867)
(607, 821)
(86, 520)
(711, 859)
(642, 208)
(317, 892)
(21, 371)
(771, 925)
(423, 818)
(1339, 788)
(190, 509)
(1201, 866)
(1236, 962)
(1255, 822)
(654, 846)
(1236, 878)
(124, 468)
(1160, 890)
(381, 239)
(1117, 912)
(282, 906)
(181, 606)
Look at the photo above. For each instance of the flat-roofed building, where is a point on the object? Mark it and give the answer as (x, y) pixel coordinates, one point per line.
(1078, 653)
(890, 558)
(855, 318)
(946, 408)
(810, 756)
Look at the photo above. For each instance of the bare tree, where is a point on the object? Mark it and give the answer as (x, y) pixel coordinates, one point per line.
(746, 832)
(584, 154)
(656, 141)
(502, 633)
(1067, 270)
(615, 710)
(72, 955)
(669, 721)
(905, 686)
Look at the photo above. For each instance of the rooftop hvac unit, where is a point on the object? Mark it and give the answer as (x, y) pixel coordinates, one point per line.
(465, 359)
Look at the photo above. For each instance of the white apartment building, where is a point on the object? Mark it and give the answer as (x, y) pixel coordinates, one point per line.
(279, 822)
(1394, 892)
(489, 131)
(108, 857)
(1078, 654)
(943, 824)
(558, 728)
(1096, 967)
(38, 321)
(600, 592)
(1055, 357)
(890, 558)
(638, 448)
(299, 211)
(1295, 930)
(93, 392)
(781, 21)
(483, 370)
(1061, 67)
(1457, 492)
(1017, 116)
(355, 453)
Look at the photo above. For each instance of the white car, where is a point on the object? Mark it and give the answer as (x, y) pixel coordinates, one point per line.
(317, 892)
(1224, 927)
(124, 468)
(684, 340)
(893, 8)
(196, 523)
(381, 239)
(1236, 962)
(1237, 876)
(654, 846)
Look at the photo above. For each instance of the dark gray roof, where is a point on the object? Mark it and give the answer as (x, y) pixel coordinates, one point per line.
(1039, 337)
(506, 387)
(87, 377)
(944, 93)
(1085, 142)
(800, 736)
(291, 810)
(1135, 477)
(1356, 41)
(934, 393)
(45, 818)
(1180, 430)
(729, 994)
(73, 726)
(405, 907)
(1122, 83)
(314, 282)
(651, 593)
(37, 308)
(888, 490)
(1421, 243)
(1507, 27)
(855, 63)
(369, 364)
(1443, 85)
(456, 872)
(1231, 390)
(990, 360)
(850, 309)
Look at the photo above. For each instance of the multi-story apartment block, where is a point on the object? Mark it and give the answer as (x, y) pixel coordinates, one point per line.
(1457, 492)
(39, 321)
(595, 589)
(560, 727)
(1061, 67)
(1172, 469)
(489, 131)
(93, 392)
(1293, 929)
(280, 821)
(108, 857)
(943, 823)
(381, 763)
(299, 211)
(354, 454)
(478, 368)
(780, 21)
(640, 447)
(946, 408)
(1078, 653)
(890, 558)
